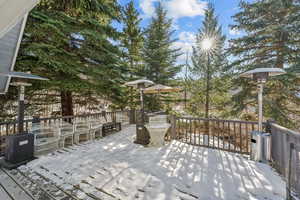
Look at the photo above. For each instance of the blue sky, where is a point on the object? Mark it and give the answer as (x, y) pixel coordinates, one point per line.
(187, 17)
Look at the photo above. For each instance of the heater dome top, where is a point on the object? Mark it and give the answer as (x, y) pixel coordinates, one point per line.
(136, 83)
(263, 72)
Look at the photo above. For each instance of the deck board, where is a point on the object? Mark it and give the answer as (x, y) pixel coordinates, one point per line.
(119, 168)
(12, 188)
(3, 194)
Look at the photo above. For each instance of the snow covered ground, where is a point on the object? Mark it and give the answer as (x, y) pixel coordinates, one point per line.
(177, 171)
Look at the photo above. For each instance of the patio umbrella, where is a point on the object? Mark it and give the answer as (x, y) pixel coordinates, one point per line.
(160, 89)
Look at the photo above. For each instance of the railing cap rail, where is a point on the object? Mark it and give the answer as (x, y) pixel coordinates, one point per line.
(286, 130)
(221, 120)
(59, 117)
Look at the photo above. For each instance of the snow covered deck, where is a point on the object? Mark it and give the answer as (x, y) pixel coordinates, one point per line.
(116, 168)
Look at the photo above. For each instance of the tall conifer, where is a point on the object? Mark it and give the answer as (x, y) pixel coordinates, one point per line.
(208, 61)
(271, 39)
(132, 45)
(132, 39)
(70, 43)
(160, 56)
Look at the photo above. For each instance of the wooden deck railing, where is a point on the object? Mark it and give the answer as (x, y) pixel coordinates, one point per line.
(10, 128)
(228, 135)
(285, 157)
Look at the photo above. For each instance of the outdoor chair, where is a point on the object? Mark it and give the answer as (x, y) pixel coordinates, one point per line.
(81, 131)
(46, 138)
(96, 128)
(66, 134)
(110, 125)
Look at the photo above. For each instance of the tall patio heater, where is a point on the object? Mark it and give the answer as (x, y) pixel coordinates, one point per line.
(260, 75)
(19, 147)
(21, 83)
(13, 15)
(142, 136)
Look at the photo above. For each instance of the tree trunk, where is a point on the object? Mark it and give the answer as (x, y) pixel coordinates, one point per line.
(207, 95)
(131, 89)
(280, 52)
(207, 99)
(207, 89)
(66, 103)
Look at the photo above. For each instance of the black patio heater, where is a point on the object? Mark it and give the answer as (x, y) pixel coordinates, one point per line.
(142, 135)
(20, 147)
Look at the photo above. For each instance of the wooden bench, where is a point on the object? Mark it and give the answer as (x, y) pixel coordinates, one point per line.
(110, 126)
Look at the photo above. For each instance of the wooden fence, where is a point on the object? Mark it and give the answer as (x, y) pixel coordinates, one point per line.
(228, 135)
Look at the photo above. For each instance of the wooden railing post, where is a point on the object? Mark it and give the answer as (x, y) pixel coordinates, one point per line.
(289, 173)
(114, 116)
(268, 125)
(173, 127)
(104, 115)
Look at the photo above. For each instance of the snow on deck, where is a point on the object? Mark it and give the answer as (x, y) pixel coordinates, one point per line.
(180, 171)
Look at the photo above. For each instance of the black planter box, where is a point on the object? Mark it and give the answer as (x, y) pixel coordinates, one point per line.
(19, 148)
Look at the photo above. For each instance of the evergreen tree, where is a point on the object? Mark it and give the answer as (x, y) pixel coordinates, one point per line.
(69, 42)
(186, 79)
(271, 39)
(159, 55)
(132, 39)
(208, 60)
(132, 44)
